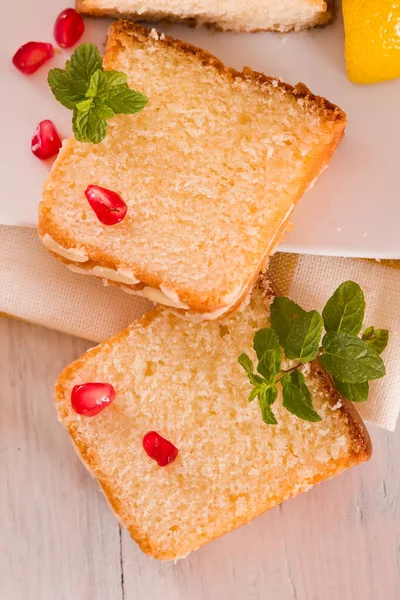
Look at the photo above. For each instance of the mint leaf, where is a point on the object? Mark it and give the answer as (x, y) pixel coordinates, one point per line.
(247, 365)
(345, 309)
(297, 397)
(350, 359)
(304, 337)
(111, 88)
(102, 111)
(68, 91)
(265, 339)
(98, 87)
(270, 364)
(255, 379)
(284, 313)
(116, 78)
(377, 338)
(267, 396)
(84, 104)
(122, 100)
(84, 62)
(246, 362)
(88, 126)
(356, 392)
(299, 332)
(298, 379)
(254, 392)
(268, 350)
(368, 333)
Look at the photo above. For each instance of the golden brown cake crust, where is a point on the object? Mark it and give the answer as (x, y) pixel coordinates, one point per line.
(360, 447)
(320, 20)
(329, 113)
(361, 441)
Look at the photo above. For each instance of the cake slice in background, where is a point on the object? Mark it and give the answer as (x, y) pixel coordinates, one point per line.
(210, 170)
(183, 381)
(253, 15)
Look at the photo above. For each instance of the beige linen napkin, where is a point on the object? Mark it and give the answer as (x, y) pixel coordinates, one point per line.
(36, 287)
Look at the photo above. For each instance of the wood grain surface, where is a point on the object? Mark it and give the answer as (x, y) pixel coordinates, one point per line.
(58, 540)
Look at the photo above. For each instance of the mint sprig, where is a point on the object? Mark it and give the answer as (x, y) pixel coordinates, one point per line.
(94, 95)
(352, 361)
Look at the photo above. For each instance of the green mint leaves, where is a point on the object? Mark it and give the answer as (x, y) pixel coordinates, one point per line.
(356, 392)
(268, 351)
(266, 398)
(344, 311)
(303, 339)
(284, 313)
(297, 397)
(352, 361)
(299, 331)
(94, 95)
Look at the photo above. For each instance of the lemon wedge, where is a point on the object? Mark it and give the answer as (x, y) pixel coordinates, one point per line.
(372, 39)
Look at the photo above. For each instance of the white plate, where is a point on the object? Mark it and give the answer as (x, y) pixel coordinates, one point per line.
(353, 210)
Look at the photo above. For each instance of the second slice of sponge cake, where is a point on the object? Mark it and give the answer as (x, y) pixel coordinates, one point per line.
(183, 380)
(210, 170)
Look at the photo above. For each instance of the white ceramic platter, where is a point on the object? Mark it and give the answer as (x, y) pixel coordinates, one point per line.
(353, 210)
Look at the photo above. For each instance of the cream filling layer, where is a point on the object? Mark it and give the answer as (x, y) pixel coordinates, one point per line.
(200, 317)
(75, 254)
(121, 275)
(164, 296)
(167, 297)
(155, 295)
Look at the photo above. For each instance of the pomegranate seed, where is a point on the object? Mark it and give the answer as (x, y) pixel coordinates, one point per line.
(159, 449)
(68, 28)
(89, 399)
(46, 140)
(29, 57)
(109, 207)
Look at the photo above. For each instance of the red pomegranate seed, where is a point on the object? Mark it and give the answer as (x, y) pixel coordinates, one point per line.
(89, 399)
(29, 57)
(109, 207)
(46, 140)
(68, 28)
(159, 449)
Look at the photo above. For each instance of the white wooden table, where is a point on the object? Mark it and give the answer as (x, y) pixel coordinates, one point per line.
(58, 540)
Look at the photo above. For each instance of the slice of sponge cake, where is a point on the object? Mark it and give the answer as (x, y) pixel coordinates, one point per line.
(210, 170)
(252, 15)
(183, 381)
